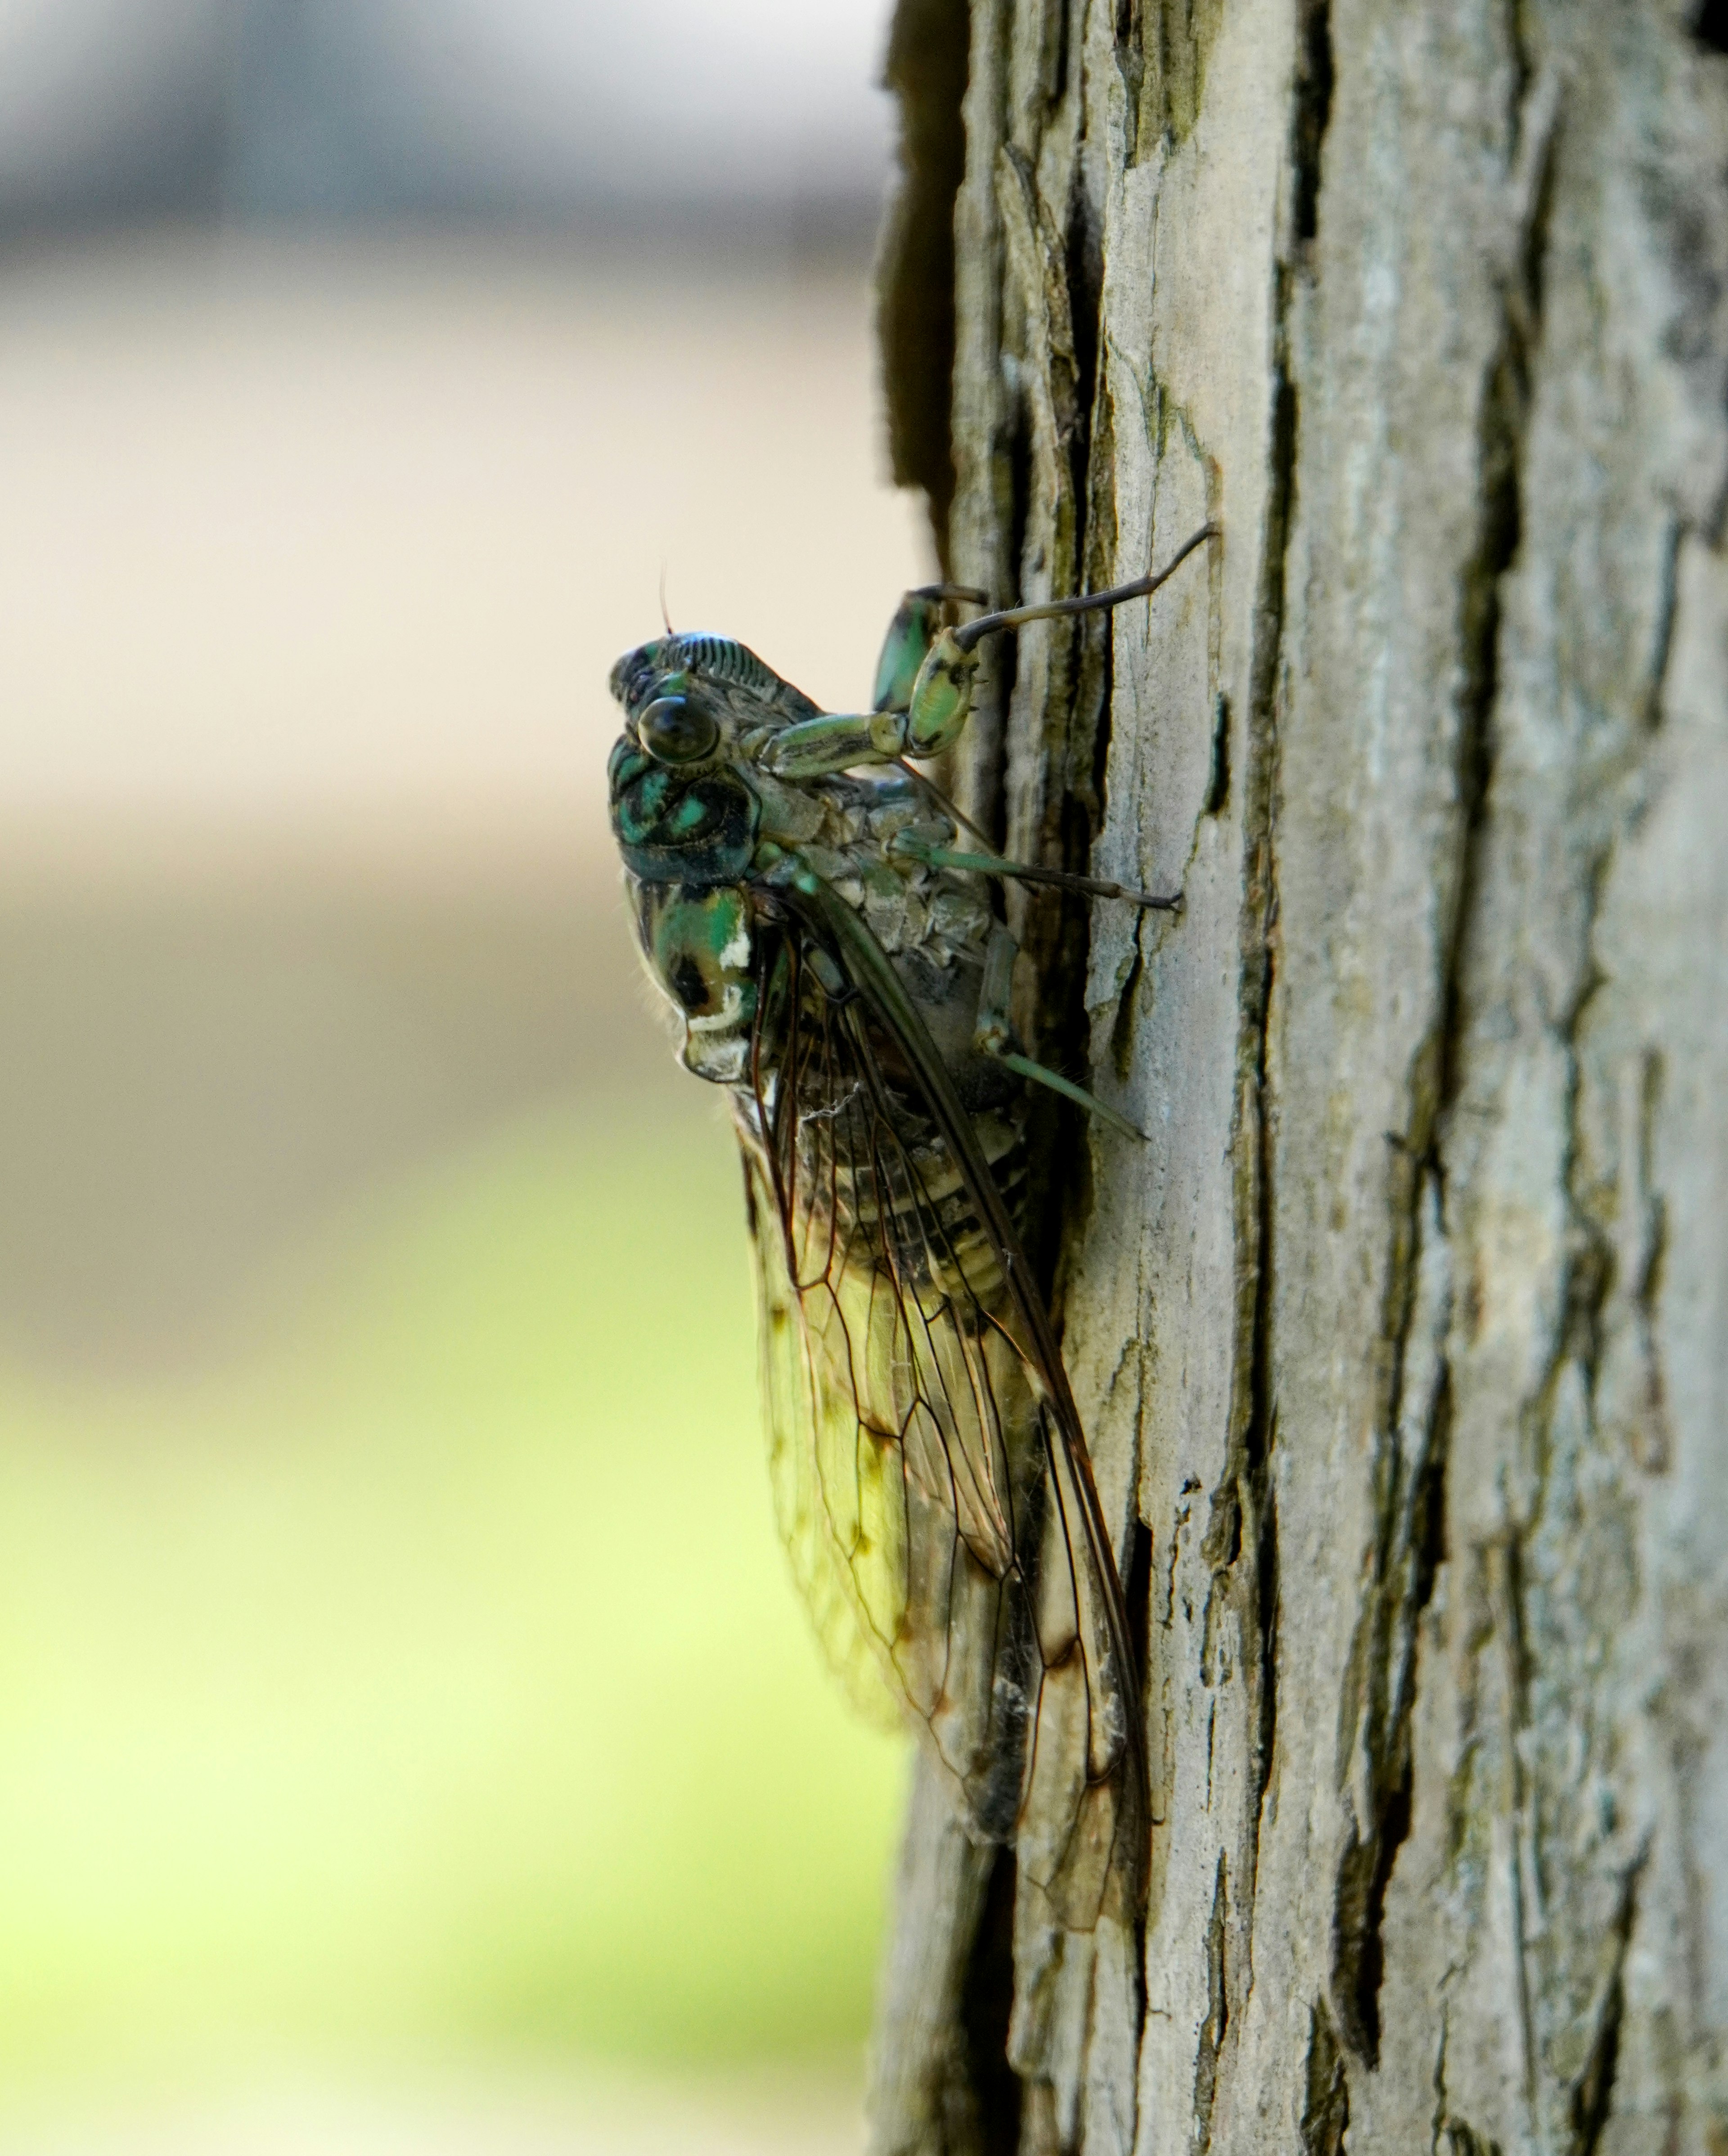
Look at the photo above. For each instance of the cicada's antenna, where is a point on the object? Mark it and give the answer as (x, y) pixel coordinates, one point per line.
(664, 615)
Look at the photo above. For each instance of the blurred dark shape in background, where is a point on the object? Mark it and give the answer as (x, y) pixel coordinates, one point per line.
(663, 118)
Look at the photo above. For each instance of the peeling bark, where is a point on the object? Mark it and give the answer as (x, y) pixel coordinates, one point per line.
(1403, 1343)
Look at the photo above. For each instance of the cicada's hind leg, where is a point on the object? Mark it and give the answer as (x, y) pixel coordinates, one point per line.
(995, 1035)
(911, 633)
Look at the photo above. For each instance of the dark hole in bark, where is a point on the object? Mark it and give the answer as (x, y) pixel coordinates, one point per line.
(1084, 263)
(1430, 1529)
(1266, 1595)
(1218, 786)
(1358, 1910)
(985, 2005)
(1314, 109)
(1371, 1962)
(1595, 2093)
(1137, 1584)
(1710, 25)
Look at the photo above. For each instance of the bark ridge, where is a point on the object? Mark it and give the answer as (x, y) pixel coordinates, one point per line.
(1402, 1347)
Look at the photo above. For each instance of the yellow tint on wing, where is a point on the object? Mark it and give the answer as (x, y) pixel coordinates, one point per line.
(813, 1448)
(894, 1408)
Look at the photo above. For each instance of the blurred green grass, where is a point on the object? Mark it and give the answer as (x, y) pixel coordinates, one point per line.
(433, 1680)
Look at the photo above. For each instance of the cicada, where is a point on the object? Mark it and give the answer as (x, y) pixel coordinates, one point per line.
(829, 950)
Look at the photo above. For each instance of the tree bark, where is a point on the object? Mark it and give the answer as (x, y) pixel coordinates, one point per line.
(1403, 1344)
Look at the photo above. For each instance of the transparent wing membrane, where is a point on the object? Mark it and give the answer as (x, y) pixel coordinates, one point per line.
(933, 1493)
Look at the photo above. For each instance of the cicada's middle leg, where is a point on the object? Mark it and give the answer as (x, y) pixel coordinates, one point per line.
(994, 1035)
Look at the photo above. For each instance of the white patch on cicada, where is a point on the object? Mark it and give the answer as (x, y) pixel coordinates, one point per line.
(826, 1115)
(716, 1045)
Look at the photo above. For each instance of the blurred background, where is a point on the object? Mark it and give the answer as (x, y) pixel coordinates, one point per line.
(408, 1737)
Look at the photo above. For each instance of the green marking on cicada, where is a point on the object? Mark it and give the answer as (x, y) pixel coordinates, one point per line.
(699, 947)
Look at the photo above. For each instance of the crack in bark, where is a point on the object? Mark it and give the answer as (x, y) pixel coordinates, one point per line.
(1217, 796)
(1592, 2095)
(1650, 1444)
(1506, 1577)
(1666, 607)
(1129, 52)
(1409, 1473)
(1325, 2107)
(1502, 431)
(1214, 2029)
(1314, 110)
(1437, 1079)
(1241, 1518)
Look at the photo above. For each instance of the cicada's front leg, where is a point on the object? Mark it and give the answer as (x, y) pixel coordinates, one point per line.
(923, 697)
(939, 701)
(931, 720)
(916, 623)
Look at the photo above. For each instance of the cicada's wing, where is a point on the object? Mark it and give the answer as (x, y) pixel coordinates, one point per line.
(800, 1415)
(930, 1474)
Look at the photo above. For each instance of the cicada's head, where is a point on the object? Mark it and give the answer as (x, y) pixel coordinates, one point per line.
(682, 811)
(725, 679)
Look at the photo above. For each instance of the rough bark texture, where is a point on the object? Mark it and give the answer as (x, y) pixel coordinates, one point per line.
(1405, 1337)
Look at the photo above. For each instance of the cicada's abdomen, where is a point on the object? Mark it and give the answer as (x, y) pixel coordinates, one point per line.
(699, 947)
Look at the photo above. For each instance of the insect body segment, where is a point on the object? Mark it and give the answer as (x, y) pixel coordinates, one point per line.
(699, 945)
(832, 959)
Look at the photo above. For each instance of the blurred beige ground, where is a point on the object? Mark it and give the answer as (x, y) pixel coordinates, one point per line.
(315, 560)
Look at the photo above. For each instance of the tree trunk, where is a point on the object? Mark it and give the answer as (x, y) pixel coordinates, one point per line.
(1404, 1338)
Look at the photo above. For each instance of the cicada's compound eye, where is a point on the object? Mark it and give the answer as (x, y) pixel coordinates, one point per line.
(674, 731)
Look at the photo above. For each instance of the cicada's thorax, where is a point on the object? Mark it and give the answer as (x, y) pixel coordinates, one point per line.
(693, 813)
